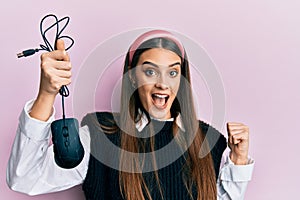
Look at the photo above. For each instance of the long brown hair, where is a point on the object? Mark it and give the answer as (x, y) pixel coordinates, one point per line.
(200, 172)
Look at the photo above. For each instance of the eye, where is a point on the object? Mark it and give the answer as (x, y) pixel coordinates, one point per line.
(173, 73)
(150, 72)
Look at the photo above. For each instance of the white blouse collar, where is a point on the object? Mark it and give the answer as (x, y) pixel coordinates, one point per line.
(140, 125)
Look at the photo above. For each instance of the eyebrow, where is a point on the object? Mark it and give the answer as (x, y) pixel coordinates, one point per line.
(155, 65)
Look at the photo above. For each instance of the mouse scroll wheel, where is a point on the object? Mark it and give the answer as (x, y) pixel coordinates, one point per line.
(65, 131)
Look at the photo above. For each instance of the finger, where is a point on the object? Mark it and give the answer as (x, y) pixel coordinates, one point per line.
(236, 126)
(230, 139)
(60, 44)
(233, 140)
(60, 55)
(62, 65)
(234, 123)
(58, 82)
(66, 81)
(236, 131)
(63, 74)
(58, 65)
(236, 141)
(237, 138)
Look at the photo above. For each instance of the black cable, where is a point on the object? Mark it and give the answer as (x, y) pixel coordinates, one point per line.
(47, 46)
(68, 150)
(64, 91)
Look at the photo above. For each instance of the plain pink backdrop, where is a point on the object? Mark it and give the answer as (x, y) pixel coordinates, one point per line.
(254, 44)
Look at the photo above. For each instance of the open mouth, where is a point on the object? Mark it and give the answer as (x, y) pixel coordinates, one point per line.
(160, 100)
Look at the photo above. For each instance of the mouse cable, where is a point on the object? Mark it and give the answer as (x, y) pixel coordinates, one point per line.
(64, 91)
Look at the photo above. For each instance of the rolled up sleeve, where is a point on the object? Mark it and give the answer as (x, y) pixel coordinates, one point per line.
(233, 179)
(31, 167)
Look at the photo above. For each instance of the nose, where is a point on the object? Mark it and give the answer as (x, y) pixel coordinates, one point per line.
(161, 83)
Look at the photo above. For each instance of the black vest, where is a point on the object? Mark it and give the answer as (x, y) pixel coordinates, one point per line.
(102, 181)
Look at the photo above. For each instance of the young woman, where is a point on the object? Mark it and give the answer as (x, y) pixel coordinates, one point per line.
(163, 151)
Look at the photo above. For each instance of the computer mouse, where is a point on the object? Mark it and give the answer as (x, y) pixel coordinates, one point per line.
(68, 150)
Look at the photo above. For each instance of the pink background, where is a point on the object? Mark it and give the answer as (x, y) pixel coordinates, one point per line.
(255, 45)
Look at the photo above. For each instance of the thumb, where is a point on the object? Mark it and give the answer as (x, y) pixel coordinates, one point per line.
(60, 44)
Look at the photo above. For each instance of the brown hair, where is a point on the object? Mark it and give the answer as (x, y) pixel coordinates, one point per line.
(199, 172)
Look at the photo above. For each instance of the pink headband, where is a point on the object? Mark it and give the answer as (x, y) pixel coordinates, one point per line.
(150, 35)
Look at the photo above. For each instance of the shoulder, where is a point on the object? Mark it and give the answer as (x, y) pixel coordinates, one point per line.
(214, 137)
(102, 125)
(217, 143)
(104, 120)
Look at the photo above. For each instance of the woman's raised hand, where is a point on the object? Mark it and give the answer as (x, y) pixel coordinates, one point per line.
(238, 142)
(55, 72)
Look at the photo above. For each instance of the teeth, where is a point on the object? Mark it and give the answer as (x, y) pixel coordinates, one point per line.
(161, 95)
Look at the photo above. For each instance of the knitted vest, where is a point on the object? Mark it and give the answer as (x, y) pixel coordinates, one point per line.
(102, 181)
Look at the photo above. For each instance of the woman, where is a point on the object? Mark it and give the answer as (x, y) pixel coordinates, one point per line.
(156, 112)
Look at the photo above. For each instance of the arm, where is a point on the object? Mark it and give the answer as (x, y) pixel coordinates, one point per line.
(233, 179)
(31, 168)
(237, 170)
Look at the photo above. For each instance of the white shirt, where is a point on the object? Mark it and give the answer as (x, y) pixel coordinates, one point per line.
(32, 170)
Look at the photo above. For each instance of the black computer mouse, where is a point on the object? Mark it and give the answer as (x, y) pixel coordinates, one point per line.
(68, 150)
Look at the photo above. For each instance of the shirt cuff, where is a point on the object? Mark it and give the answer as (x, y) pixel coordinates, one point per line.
(237, 173)
(33, 128)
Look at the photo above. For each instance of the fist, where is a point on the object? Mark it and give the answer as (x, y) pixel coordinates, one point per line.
(238, 142)
(55, 69)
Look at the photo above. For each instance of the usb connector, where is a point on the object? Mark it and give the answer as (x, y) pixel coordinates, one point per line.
(26, 53)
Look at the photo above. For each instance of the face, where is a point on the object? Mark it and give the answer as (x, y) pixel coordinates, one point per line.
(158, 78)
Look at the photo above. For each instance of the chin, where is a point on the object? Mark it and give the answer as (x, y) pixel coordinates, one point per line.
(159, 114)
